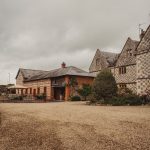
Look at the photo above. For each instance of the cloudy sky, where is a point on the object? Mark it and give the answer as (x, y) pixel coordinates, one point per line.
(41, 34)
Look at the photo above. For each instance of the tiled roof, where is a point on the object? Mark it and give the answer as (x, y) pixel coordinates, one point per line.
(110, 57)
(30, 75)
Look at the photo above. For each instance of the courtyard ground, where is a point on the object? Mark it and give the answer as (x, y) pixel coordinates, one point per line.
(73, 126)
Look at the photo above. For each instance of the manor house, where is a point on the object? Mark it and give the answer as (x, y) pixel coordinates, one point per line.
(131, 67)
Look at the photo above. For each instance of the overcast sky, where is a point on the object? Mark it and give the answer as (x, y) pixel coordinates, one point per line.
(41, 34)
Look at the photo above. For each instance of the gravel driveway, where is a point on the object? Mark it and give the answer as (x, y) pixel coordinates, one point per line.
(73, 126)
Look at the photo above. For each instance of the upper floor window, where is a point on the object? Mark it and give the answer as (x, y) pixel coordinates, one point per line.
(122, 70)
(97, 62)
(129, 52)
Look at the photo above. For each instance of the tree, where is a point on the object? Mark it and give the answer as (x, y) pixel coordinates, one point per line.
(73, 83)
(104, 85)
(85, 91)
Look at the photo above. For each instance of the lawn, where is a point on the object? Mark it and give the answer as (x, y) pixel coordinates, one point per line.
(73, 126)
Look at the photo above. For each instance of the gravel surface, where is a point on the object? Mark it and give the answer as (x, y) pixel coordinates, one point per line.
(73, 126)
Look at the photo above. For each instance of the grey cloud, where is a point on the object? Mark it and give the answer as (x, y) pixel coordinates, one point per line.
(40, 34)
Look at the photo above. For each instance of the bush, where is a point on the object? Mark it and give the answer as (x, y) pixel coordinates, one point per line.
(85, 91)
(75, 98)
(41, 97)
(17, 98)
(131, 100)
(104, 85)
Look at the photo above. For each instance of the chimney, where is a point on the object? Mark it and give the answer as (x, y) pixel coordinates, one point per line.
(63, 65)
(142, 34)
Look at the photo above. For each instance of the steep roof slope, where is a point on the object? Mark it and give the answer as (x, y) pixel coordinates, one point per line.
(127, 55)
(106, 59)
(144, 44)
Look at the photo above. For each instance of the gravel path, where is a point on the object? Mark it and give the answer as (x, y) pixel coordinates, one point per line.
(73, 126)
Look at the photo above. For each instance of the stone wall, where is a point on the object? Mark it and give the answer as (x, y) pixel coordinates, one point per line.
(128, 77)
(143, 73)
(19, 80)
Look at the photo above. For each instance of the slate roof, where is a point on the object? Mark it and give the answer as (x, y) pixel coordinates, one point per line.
(30, 75)
(124, 57)
(110, 57)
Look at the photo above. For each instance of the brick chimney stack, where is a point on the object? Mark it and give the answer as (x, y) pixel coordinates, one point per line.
(142, 34)
(63, 65)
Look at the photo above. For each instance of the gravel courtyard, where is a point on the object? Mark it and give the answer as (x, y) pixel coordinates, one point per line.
(73, 126)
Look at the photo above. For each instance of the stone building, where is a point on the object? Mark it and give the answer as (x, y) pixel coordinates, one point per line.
(131, 68)
(55, 84)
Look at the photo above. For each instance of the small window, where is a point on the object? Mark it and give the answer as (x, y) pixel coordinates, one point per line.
(129, 52)
(123, 85)
(122, 70)
(97, 62)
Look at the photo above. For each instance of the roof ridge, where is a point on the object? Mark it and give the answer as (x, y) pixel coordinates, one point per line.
(33, 69)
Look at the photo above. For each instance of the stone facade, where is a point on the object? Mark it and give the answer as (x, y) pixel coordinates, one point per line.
(143, 64)
(131, 68)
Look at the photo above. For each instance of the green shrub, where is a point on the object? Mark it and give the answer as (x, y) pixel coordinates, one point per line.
(41, 97)
(130, 99)
(75, 98)
(104, 85)
(17, 98)
(85, 91)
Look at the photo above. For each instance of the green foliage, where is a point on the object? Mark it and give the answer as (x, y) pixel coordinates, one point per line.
(85, 91)
(124, 91)
(104, 85)
(17, 98)
(41, 97)
(129, 99)
(75, 98)
(72, 83)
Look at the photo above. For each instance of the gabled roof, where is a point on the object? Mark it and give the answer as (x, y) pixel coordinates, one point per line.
(124, 57)
(106, 58)
(144, 44)
(30, 75)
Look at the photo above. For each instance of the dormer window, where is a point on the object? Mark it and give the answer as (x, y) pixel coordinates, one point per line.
(97, 62)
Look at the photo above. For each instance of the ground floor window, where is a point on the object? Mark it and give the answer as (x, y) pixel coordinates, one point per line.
(30, 90)
(45, 90)
(38, 90)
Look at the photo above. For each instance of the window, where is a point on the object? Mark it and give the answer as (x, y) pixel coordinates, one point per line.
(45, 90)
(129, 52)
(122, 70)
(97, 62)
(38, 90)
(30, 90)
(123, 85)
(26, 91)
